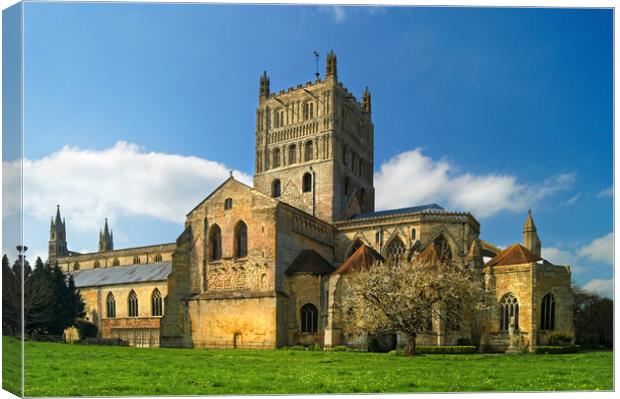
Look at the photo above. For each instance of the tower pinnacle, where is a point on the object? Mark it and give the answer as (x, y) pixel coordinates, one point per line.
(263, 91)
(530, 237)
(331, 69)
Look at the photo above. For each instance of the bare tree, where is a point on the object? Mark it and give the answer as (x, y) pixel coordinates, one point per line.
(406, 296)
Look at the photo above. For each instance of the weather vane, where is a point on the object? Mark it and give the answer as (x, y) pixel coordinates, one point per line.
(316, 56)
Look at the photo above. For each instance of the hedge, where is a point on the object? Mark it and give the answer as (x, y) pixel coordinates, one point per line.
(440, 350)
(554, 350)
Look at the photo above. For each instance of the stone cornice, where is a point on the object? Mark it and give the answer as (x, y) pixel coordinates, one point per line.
(420, 217)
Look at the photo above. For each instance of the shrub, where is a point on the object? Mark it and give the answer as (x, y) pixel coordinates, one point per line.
(437, 350)
(555, 350)
(104, 341)
(463, 342)
(340, 348)
(456, 349)
(559, 339)
(86, 329)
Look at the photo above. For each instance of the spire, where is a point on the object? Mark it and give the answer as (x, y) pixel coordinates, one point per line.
(58, 238)
(263, 91)
(58, 219)
(106, 241)
(529, 223)
(366, 100)
(331, 69)
(474, 250)
(473, 256)
(531, 240)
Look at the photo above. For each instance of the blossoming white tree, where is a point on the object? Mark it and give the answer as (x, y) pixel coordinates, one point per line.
(397, 296)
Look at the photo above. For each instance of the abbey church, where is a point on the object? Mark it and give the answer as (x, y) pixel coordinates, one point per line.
(266, 266)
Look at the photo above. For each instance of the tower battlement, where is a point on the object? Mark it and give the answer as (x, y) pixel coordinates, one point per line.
(315, 146)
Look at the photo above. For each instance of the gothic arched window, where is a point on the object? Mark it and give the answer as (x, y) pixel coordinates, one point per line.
(307, 182)
(156, 303)
(362, 196)
(276, 157)
(228, 203)
(110, 305)
(132, 304)
(96, 265)
(309, 151)
(309, 318)
(444, 253)
(395, 250)
(116, 262)
(241, 240)
(509, 309)
(547, 312)
(276, 188)
(215, 243)
(292, 154)
(344, 155)
(158, 258)
(136, 260)
(346, 186)
(76, 266)
(413, 232)
(308, 110)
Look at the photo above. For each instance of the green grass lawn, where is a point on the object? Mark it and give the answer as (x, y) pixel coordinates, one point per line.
(62, 369)
(11, 365)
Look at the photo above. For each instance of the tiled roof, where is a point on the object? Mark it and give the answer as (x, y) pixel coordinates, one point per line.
(122, 274)
(515, 254)
(412, 209)
(362, 259)
(309, 261)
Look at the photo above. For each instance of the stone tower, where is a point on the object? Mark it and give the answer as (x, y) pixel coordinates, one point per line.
(58, 238)
(315, 146)
(106, 240)
(530, 237)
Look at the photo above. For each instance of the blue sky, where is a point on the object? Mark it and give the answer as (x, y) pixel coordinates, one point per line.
(492, 111)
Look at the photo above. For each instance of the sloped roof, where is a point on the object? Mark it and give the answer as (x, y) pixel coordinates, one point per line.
(412, 209)
(122, 275)
(309, 261)
(429, 254)
(363, 258)
(515, 254)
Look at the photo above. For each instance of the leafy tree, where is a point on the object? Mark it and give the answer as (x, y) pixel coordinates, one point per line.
(51, 301)
(391, 297)
(593, 319)
(40, 299)
(11, 300)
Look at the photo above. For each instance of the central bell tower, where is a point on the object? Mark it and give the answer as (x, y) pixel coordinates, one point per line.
(315, 146)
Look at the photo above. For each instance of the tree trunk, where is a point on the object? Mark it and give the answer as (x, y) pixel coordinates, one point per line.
(410, 350)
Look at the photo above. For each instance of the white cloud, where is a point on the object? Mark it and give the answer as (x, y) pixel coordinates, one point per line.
(561, 257)
(572, 199)
(608, 192)
(558, 256)
(411, 178)
(337, 12)
(121, 180)
(602, 287)
(601, 249)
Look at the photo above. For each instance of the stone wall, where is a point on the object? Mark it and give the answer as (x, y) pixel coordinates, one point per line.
(229, 320)
(95, 300)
